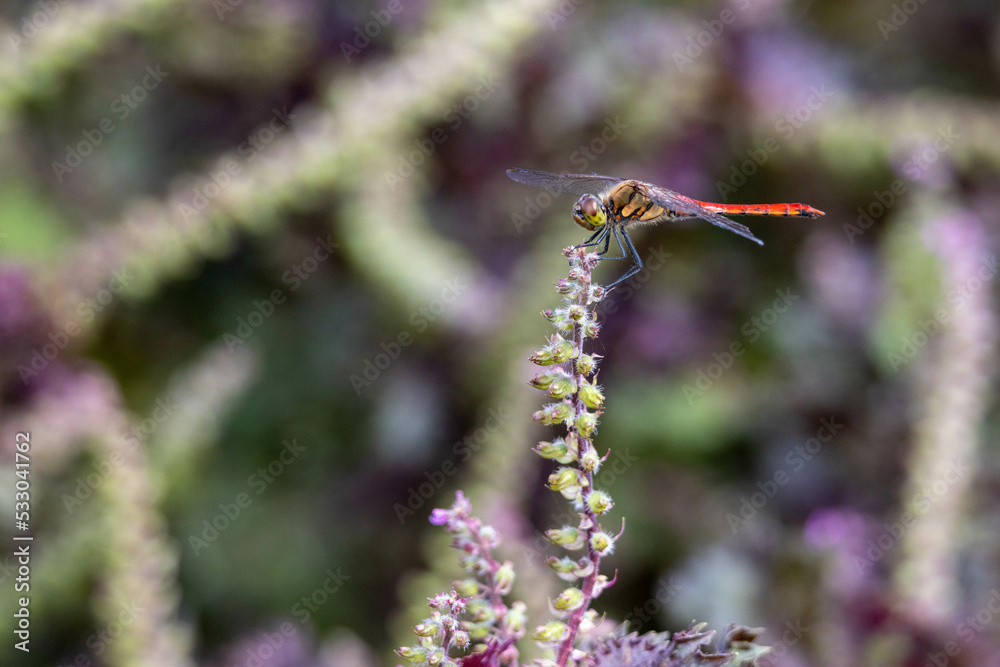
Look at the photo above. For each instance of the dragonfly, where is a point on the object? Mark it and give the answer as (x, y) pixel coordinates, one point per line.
(609, 206)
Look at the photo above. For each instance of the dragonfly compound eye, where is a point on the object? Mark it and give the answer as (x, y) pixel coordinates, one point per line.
(589, 213)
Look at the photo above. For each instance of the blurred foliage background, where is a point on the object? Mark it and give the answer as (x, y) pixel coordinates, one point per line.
(267, 298)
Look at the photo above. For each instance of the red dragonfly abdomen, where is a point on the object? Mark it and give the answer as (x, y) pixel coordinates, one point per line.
(773, 210)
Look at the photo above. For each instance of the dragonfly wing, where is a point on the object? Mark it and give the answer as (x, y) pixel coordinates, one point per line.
(724, 222)
(673, 201)
(574, 184)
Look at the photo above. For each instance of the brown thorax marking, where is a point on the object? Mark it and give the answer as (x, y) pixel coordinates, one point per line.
(628, 202)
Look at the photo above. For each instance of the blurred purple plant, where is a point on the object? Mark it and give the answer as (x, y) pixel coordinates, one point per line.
(492, 625)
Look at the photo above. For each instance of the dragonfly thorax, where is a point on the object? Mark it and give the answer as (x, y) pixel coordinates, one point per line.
(590, 213)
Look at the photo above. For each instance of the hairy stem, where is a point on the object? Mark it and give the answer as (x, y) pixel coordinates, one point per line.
(587, 587)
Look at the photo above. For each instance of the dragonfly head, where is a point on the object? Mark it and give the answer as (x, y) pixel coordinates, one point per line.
(590, 213)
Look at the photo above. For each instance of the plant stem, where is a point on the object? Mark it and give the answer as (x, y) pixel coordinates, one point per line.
(495, 598)
(587, 588)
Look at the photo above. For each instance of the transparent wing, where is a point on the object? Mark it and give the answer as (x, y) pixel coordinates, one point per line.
(574, 184)
(677, 202)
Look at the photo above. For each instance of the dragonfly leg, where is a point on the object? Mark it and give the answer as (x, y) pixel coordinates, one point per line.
(607, 243)
(636, 266)
(614, 231)
(599, 235)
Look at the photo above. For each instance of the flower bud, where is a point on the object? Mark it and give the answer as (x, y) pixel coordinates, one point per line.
(479, 631)
(600, 502)
(413, 654)
(553, 631)
(586, 423)
(565, 568)
(602, 543)
(567, 288)
(554, 413)
(562, 387)
(462, 505)
(482, 611)
(558, 382)
(567, 536)
(591, 395)
(544, 380)
(600, 584)
(460, 639)
(504, 578)
(561, 565)
(441, 601)
(560, 319)
(589, 621)
(585, 364)
(516, 617)
(590, 461)
(556, 352)
(426, 629)
(590, 328)
(467, 588)
(473, 563)
(569, 599)
(572, 494)
(557, 449)
(576, 313)
(584, 568)
(436, 656)
(490, 536)
(563, 478)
